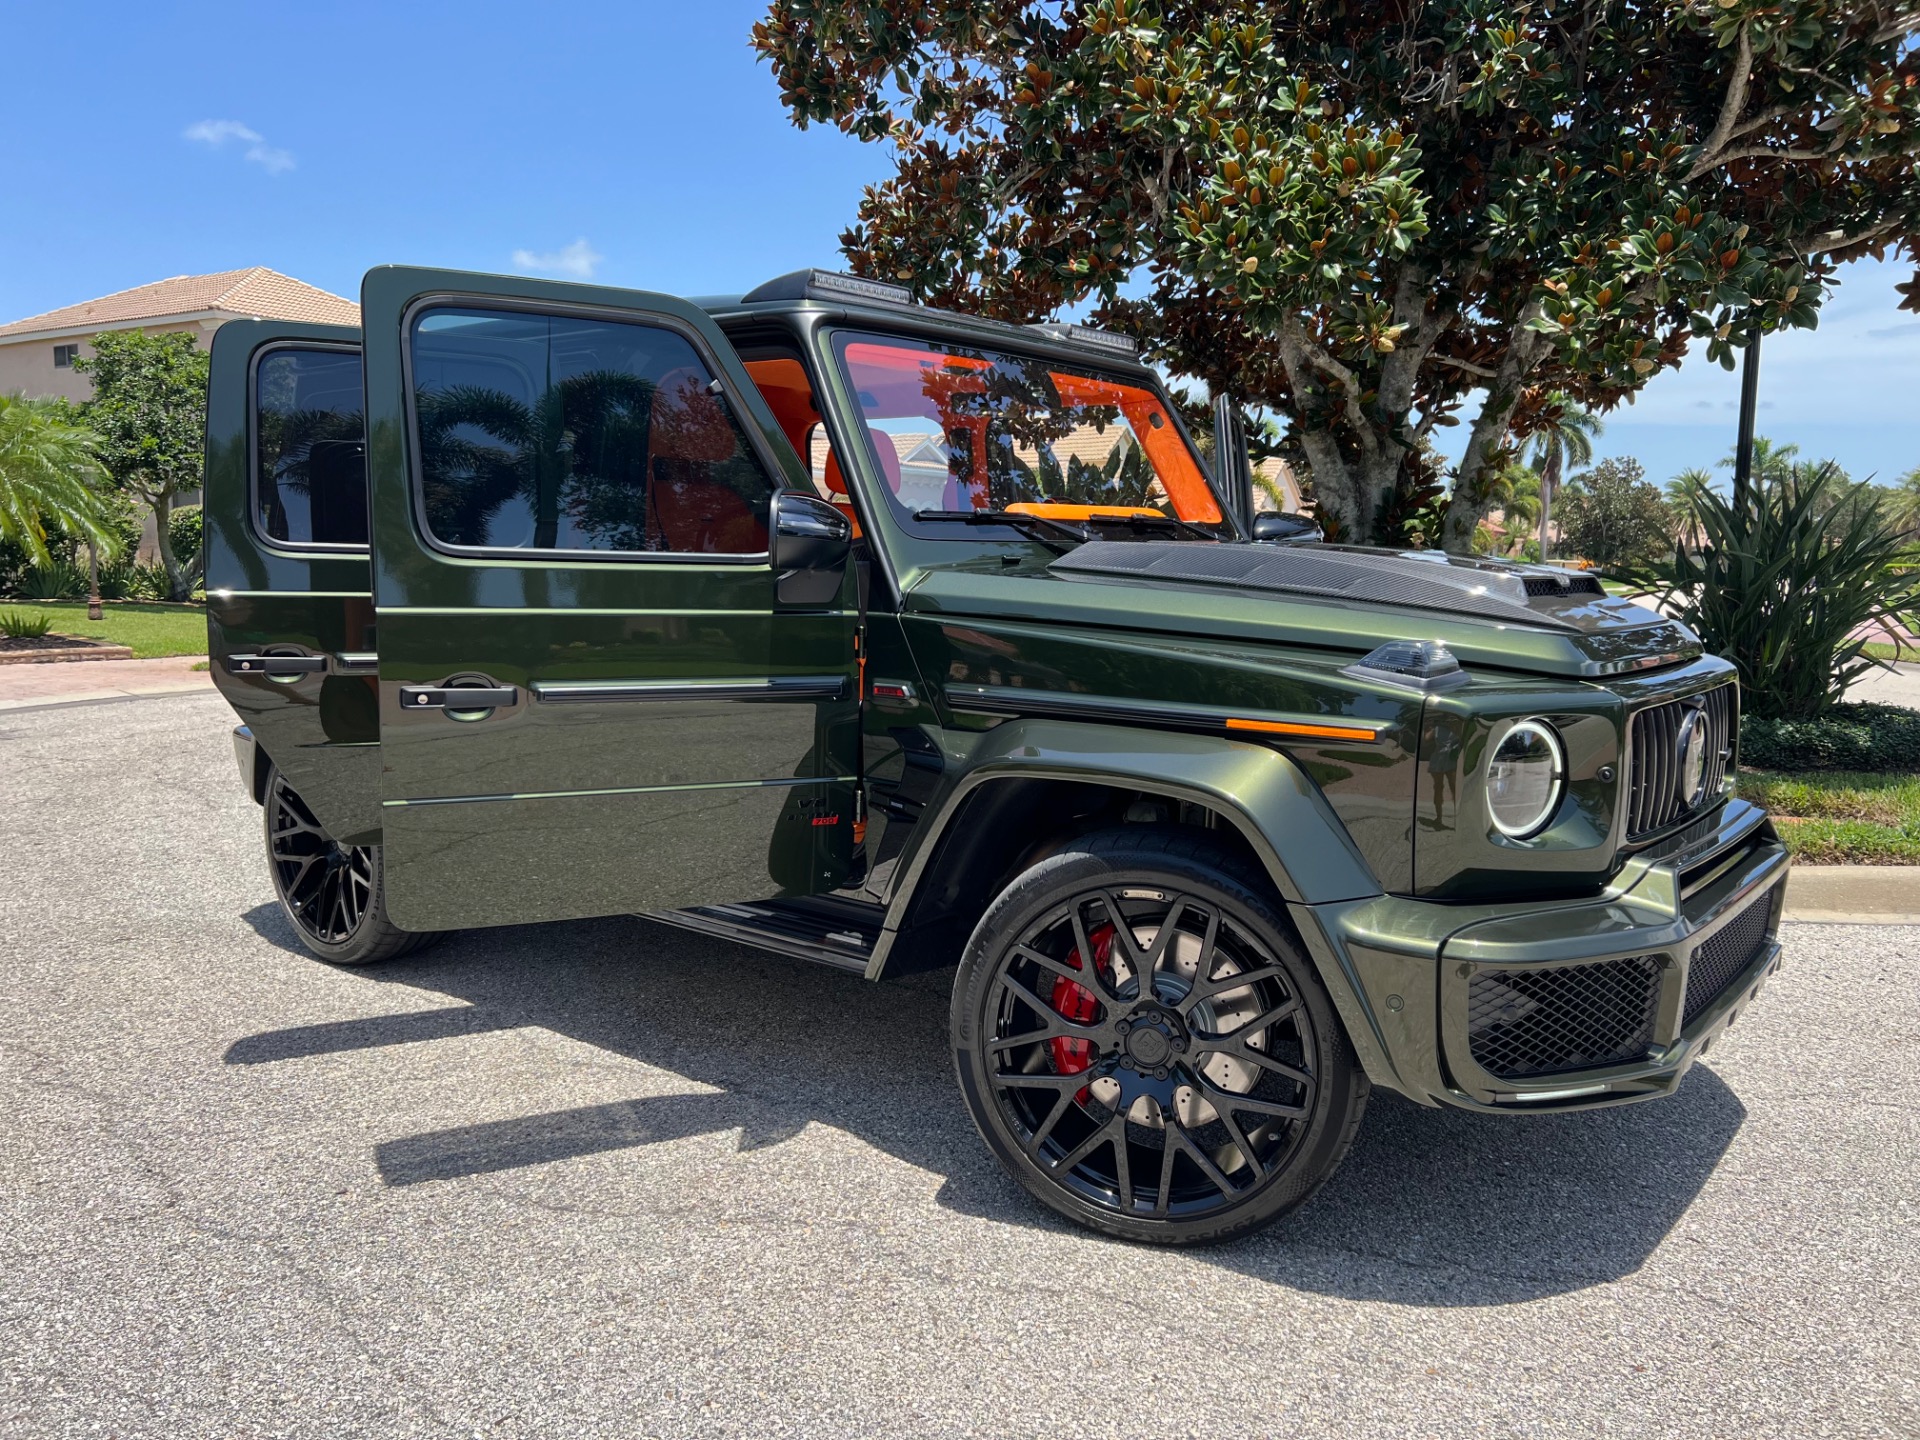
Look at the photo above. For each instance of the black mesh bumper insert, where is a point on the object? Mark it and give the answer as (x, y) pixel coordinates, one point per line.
(1725, 954)
(1523, 1023)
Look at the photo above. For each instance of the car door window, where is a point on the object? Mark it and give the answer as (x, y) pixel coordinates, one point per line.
(310, 454)
(559, 433)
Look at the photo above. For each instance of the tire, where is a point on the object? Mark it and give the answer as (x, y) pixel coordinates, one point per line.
(335, 895)
(1114, 1108)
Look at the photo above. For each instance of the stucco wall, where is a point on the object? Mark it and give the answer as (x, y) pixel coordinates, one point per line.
(27, 365)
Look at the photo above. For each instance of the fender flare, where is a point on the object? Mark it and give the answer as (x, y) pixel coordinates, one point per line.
(1258, 788)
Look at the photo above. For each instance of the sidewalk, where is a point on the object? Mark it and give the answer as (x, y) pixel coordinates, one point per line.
(24, 686)
(1899, 686)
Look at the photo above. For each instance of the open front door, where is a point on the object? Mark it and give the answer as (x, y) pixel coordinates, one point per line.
(593, 698)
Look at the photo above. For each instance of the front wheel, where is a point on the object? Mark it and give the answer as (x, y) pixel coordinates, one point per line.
(1143, 1045)
(334, 894)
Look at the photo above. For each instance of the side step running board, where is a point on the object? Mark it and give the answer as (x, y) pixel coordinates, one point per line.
(835, 935)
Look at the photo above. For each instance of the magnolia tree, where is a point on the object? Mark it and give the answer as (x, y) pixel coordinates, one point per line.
(1378, 219)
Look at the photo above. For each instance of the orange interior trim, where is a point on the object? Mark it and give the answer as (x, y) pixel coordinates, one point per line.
(1309, 732)
(1053, 510)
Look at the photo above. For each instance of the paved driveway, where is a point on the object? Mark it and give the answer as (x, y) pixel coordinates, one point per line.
(609, 1179)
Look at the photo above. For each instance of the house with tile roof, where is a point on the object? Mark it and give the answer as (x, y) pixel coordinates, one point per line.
(37, 354)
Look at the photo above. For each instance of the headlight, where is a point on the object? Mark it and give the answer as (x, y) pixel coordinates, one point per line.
(1526, 778)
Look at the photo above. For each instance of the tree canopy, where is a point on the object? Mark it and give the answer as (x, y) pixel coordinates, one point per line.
(149, 410)
(1615, 517)
(1364, 216)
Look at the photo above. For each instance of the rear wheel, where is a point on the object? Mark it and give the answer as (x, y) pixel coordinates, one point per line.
(334, 894)
(1142, 1043)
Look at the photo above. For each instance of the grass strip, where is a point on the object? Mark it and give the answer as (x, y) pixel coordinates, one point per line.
(1841, 817)
(150, 630)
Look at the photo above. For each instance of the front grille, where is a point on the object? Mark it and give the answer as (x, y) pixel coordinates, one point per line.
(1654, 800)
(1725, 954)
(1573, 1017)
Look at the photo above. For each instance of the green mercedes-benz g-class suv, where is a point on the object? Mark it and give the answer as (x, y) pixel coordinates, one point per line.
(890, 638)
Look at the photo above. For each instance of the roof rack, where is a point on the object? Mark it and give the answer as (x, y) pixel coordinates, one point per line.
(1088, 335)
(828, 285)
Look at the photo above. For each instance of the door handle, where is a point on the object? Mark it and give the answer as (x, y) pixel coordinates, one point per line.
(457, 697)
(276, 664)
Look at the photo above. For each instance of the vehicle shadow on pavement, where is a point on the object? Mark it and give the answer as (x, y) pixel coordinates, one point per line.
(1432, 1207)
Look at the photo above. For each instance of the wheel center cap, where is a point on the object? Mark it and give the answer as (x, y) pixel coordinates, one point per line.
(1149, 1046)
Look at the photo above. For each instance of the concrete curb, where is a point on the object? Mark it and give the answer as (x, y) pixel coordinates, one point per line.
(69, 655)
(1854, 894)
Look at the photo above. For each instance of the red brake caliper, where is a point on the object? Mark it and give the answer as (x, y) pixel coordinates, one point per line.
(1075, 1002)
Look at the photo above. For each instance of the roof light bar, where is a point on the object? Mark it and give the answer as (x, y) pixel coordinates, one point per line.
(1087, 335)
(829, 285)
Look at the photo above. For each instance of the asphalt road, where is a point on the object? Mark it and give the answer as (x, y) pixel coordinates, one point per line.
(609, 1179)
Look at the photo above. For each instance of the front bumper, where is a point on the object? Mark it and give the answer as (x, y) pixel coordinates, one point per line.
(1564, 1005)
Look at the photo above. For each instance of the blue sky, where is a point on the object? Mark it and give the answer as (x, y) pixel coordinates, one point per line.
(635, 144)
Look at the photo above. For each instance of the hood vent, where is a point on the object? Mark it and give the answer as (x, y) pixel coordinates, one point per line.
(1553, 586)
(1418, 581)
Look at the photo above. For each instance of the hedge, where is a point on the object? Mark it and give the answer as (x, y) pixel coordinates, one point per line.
(1881, 738)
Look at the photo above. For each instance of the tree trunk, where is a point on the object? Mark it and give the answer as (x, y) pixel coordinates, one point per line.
(177, 586)
(1470, 500)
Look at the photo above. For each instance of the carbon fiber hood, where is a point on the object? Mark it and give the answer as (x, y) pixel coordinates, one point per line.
(1539, 595)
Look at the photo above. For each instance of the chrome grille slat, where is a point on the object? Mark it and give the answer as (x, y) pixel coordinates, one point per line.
(1653, 767)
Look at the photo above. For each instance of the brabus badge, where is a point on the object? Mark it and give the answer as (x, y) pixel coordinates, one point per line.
(1690, 754)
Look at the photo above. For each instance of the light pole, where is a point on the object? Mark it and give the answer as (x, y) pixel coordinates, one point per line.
(1749, 399)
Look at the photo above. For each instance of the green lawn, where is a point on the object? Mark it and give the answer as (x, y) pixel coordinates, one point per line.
(1892, 652)
(150, 630)
(1841, 817)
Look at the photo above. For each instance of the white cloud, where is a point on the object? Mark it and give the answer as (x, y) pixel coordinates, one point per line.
(216, 133)
(577, 261)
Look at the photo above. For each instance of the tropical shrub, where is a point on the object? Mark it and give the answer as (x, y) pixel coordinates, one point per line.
(19, 625)
(54, 580)
(148, 582)
(1783, 585)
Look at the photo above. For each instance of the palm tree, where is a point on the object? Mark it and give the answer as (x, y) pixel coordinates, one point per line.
(1771, 462)
(48, 467)
(1566, 438)
(1683, 494)
(1903, 505)
(1515, 492)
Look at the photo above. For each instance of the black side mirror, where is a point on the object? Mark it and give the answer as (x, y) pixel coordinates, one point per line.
(1286, 528)
(811, 540)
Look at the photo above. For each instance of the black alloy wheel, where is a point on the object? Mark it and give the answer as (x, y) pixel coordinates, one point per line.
(1143, 1044)
(334, 894)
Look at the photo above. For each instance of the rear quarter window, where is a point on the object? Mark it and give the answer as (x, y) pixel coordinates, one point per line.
(310, 454)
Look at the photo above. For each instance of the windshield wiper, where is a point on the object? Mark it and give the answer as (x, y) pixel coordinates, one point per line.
(1039, 527)
(1137, 521)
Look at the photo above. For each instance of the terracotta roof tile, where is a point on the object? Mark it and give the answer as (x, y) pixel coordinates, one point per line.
(256, 291)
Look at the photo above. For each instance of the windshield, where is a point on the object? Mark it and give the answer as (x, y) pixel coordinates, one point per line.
(962, 430)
